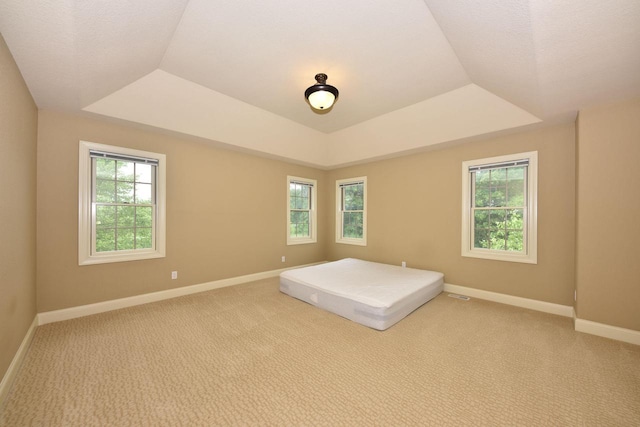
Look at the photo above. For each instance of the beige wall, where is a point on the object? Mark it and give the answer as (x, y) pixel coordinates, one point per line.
(226, 215)
(18, 127)
(608, 206)
(414, 215)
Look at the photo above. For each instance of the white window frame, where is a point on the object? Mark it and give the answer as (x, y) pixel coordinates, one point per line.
(313, 213)
(86, 209)
(530, 240)
(339, 212)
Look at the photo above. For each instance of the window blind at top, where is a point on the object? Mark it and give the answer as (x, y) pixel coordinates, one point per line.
(349, 184)
(510, 164)
(122, 157)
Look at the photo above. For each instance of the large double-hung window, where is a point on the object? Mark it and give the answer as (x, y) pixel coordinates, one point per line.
(499, 208)
(121, 198)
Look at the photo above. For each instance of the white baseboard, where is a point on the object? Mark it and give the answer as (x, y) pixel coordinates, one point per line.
(101, 307)
(586, 326)
(580, 325)
(607, 331)
(9, 376)
(546, 307)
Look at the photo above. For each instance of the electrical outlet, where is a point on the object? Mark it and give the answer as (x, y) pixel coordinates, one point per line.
(404, 264)
(284, 258)
(174, 275)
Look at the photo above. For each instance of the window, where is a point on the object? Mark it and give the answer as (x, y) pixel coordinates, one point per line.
(301, 211)
(351, 217)
(499, 208)
(121, 204)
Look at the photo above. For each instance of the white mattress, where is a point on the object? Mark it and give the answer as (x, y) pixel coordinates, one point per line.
(373, 294)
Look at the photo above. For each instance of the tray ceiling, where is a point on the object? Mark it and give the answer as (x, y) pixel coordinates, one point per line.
(235, 72)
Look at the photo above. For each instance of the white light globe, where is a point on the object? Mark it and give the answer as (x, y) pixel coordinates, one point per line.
(321, 100)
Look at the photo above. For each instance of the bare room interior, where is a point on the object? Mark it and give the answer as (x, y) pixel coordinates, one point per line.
(167, 167)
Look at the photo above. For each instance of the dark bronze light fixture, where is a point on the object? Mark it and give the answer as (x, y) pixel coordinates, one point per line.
(321, 96)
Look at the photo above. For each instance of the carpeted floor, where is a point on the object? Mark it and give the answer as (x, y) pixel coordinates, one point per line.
(248, 355)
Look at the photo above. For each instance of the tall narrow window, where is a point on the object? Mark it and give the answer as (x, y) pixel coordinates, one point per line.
(301, 210)
(351, 216)
(121, 204)
(499, 208)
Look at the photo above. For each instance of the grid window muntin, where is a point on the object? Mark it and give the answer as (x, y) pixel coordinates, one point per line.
(351, 219)
(499, 208)
(301, 210)
(123, 205)
(95, 200)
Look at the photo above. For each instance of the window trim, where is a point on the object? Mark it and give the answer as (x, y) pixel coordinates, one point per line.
(339, 216)
(313, 217)
(531, 216)
(86, 214)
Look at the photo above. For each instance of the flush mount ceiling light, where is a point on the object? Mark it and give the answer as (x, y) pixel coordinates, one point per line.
(321, 96)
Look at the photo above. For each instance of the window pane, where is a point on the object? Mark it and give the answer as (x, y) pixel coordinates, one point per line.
(299, 224)
(482, 195)
(498, 194)
(515, 219)
(144, 173)
(144, 216)
(303, 217)
(105, 216)
(302, 230)
(143, 238)
(126, 239)
(292, 195)
(126, 216)
(105, 169)
(125, 171)
(498, 239)
(105, 191)
(125, 192)
(354, 197)
(497, 219)
(352, 225)
(498, 175)
(515, 241)
(516, 173)
(481, 239)
(143, 194)
(482, 177)
(105, 240)
(515, 192)
(302, 203)
(481, 219)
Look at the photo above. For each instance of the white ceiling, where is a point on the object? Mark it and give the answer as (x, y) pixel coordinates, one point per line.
(411, 73)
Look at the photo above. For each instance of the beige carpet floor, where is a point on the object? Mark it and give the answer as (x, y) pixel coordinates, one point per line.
(248, 355)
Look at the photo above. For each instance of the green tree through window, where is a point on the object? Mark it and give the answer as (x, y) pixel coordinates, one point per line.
(300, 209)
(498, 208)
(353, 207)
(124, 200)
(302, 215)
(351, 213)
